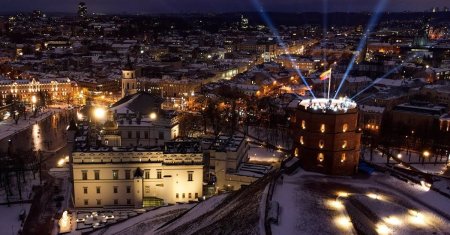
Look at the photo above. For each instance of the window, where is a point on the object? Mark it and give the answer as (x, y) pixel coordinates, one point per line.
(343, 157)
(86, 202)
(138, 134)
(84, 175)
(147, 174)
(127, 174)
(183, 195)
(158, 174)
(189, 195)
(128, 189)
(320, 157)
(321, 144)
(115, 189)
(344, 144)
(116, 201)
(128, 201)
(129, 135)
(97, 175)
(303, 124)
(115, 174)
(99, 202)
(322, 128)
(345, 127)
(190, 175)
(177, 195)
(85, 190)
(98, 189)
(196, 195)
(146, 134)
(161, 135)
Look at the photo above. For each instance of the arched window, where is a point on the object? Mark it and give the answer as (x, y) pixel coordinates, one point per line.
(321, 143)
(343, 157)
(344, 144)
(296, 152)
(322, 128)
(345, 127)
(301, 140)
(303, 124)
(320, 157)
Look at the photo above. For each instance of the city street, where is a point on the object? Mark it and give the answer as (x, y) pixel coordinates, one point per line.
(49, 138)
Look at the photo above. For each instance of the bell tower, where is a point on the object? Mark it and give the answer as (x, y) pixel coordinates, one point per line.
(129, 82)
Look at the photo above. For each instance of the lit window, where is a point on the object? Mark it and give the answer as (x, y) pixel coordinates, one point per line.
(345, 127)
(115, 174)
(320, 157)
(301, 140)
(303, 124)
(344, 144)
(158, 174)
(296, 152)
(322, 128)
(343, 157)
(321, 143)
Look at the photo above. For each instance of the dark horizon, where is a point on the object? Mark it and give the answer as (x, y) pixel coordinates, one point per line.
(216, 6)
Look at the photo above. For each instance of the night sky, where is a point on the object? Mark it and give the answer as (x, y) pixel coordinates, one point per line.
(205, 6)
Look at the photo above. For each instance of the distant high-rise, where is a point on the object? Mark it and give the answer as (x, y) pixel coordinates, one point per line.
(82, 9)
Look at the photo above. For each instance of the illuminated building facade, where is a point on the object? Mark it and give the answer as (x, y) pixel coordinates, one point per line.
(137, 177)
(326, 136)
(58, 89)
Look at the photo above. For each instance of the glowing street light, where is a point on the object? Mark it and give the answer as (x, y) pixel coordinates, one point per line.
(153, 116)
(61, 162)
(99, 113)
(426, 153)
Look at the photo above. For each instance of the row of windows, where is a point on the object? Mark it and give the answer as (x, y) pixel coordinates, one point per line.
(99, 202)
(322, 143)
(323, 126)
(98, 189)
(115, 174)
(145, 135)
(183, 195)
(321, 156)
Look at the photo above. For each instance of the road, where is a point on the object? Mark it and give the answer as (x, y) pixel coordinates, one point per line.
(49, 137)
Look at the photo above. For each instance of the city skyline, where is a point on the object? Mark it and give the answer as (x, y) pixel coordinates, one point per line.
(218, 6)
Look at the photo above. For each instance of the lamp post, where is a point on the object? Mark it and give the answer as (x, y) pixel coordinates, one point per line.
(425, 154)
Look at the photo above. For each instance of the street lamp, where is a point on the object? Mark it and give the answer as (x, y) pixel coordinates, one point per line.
(153, 116)
(99, 113)
(425, 154)
(33, 101)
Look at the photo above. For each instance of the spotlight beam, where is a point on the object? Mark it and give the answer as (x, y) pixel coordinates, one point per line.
(393, 70)
(370, 26)
(277, 36)
(325, 29)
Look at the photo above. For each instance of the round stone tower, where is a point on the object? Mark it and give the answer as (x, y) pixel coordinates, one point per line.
(326, 136)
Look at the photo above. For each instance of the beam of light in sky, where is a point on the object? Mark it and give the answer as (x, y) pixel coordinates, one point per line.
(325, 28)
(393, 70)
(277, 37)
(370, 26)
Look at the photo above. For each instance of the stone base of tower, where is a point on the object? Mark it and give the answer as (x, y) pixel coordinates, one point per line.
(331, 164)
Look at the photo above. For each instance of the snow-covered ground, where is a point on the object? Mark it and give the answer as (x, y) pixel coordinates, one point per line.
(275, 137)
(146, 222)
(10, 222)
(26, 188)
(258, 153)
(202, 208)
(412, 158)
(8, 126)
(316, 204)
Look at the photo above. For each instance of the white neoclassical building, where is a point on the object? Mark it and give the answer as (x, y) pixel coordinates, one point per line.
(137, 177)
